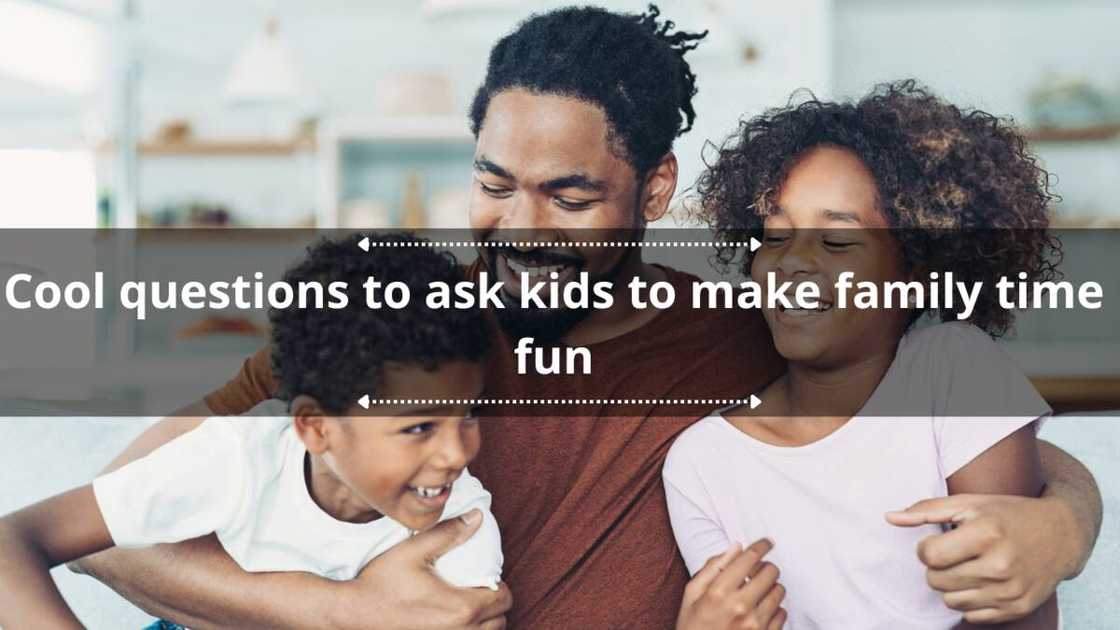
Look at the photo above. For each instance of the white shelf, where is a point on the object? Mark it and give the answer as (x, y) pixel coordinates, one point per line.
(335, 133)
(399, 129)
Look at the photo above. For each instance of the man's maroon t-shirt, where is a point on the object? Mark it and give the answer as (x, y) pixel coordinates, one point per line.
(577, 491)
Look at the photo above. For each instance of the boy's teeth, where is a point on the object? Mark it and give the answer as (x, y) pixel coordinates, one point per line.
(429, 492)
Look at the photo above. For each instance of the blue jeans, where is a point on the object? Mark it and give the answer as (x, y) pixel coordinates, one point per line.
(163, 624)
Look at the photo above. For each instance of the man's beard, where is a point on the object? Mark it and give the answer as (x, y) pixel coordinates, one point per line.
(544, 325)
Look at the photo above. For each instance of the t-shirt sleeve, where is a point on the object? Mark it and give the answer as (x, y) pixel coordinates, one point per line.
(691, 513)
(253, 384)
(985, 397)
(477, 562)
(189, 487)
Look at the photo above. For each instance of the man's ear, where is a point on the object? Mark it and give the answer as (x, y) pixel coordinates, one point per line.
(658, 189)
(310, 423)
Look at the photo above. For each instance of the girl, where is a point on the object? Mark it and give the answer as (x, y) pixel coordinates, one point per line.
(872, 413)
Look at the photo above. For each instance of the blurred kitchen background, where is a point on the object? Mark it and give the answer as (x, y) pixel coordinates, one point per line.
(304, 114)
(351, 114)
(328, 113)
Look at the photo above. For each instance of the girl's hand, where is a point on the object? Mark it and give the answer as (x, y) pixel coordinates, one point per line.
(734, 590)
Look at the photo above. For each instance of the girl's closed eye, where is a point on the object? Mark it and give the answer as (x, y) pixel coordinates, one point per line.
(839, 244)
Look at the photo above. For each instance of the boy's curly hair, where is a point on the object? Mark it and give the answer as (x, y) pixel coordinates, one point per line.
(335, 356)
(958, 187)
(631, 66)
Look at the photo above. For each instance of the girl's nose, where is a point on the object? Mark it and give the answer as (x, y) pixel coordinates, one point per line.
(798, 256)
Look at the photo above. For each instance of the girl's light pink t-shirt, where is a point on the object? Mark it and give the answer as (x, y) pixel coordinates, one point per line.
(822, 504)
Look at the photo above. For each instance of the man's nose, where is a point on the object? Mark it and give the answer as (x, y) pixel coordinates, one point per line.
(527, 221)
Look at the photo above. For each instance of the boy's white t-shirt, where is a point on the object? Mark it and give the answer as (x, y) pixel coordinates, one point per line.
(822, 504)
(243, 479)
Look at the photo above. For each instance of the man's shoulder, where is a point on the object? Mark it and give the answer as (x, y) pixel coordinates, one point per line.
(733, 333)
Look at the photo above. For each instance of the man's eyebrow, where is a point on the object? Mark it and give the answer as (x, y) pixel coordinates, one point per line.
(486, 166)
(575, 180)
(845, 217)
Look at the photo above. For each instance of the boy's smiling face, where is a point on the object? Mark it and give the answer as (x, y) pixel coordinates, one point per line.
(827, 221)
(398, 461)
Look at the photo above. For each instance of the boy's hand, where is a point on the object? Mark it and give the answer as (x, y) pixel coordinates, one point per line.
(400, 589)
(720, 595)
(1004, 558)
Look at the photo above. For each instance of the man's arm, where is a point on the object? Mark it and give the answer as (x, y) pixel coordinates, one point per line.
(1072, 488)
(1021, 546)
(35, 539)
(185, 582)
(1012, 466)
(197, 584)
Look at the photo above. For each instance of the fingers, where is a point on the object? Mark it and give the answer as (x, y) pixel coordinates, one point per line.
(742, 566)
(709, 572)
(762, 583)
(963, 600)
(444, 536)
(953, 509)
(497, 623)
(779, 620)
(985, 616)
(961, 577)
(488, 604)
(768, 607)
(969, 541)
(984, 606)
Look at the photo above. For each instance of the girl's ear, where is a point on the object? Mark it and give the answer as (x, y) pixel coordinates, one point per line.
(310, 423)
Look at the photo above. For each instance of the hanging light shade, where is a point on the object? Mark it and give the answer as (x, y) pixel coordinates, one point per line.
(263, 72)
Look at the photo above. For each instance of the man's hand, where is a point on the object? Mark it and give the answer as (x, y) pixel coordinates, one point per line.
(1003, 559)
(400, 588)
(720, 595)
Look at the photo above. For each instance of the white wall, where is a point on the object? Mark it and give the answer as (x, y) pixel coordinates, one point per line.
(991, 54)
(345, 48)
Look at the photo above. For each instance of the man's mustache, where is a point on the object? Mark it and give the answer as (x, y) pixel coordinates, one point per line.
(538, 257)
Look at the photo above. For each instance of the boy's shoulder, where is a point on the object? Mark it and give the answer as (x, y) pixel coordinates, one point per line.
(257, 429)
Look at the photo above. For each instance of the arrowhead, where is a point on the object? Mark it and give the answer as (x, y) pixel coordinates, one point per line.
(755, 401)
(364, 401)
(364, 244)
(755, 244)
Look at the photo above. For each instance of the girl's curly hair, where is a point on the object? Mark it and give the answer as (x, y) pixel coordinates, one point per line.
(959, 188)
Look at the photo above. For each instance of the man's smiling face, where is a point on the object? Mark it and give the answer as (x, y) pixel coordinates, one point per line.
(545, 171)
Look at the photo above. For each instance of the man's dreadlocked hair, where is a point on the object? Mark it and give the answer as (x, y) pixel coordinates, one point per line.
(631, 66)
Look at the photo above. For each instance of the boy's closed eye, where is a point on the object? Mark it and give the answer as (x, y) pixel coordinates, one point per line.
(420, 428)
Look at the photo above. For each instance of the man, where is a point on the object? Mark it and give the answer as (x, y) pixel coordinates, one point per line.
(574, 125)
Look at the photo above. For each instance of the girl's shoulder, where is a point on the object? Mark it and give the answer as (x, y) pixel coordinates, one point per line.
(696, 443)
(948, 336)
(963, 372)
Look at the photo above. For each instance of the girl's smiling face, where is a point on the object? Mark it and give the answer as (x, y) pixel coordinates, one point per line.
(826, 221)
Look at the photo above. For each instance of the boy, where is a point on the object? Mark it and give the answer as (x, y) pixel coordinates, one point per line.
(315, 483)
